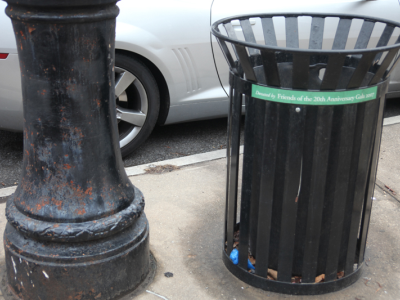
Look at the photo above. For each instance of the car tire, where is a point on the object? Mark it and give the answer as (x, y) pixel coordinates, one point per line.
(137, 100)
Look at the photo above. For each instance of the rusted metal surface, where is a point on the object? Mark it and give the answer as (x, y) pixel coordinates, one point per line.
(82, 231)
(74, 199)
(80, 270)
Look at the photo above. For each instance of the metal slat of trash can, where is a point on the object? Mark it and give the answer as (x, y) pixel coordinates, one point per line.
(371, 186)
(233, 164)
(246, 185)
(317, 186)
(291, 188)
(363, 159)
(310, 161)
(270, 140)
(338, 186)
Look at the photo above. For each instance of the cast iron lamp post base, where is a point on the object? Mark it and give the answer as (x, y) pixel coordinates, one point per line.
(76, 227)
(100, 269)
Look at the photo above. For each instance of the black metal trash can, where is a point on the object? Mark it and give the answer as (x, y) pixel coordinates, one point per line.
(311, 143)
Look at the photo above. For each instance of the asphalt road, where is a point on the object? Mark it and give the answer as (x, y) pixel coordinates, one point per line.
(165, 142)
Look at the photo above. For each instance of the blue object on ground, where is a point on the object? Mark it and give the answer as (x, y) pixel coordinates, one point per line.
(234, 256)
(250, 265)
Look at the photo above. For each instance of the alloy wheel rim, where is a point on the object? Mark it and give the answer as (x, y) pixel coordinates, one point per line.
(131, 105)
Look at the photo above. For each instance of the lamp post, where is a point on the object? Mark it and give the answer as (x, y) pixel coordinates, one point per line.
(76, 227)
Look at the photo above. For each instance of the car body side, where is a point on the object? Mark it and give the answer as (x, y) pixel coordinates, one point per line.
(174, 37)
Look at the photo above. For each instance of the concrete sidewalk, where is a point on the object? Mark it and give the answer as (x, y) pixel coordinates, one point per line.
(185, 209)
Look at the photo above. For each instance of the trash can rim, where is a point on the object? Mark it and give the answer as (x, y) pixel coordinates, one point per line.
(216, 33)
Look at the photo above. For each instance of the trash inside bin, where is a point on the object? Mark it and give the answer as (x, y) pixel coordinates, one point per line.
(311, 142)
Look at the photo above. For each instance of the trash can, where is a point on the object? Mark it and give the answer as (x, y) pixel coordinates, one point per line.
(312, 133)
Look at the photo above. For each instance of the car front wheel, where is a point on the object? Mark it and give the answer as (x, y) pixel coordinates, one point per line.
(137, 102)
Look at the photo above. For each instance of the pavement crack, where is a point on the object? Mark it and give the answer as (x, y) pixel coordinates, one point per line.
(383, 187)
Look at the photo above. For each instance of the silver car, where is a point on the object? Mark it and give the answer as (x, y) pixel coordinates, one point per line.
(169, 69)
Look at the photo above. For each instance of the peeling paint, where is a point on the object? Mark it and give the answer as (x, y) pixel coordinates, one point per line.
(14, 265)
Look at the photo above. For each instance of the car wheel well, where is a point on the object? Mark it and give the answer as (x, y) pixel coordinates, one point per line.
(162, 84)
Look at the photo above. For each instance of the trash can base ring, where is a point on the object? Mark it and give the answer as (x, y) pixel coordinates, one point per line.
(291, 288)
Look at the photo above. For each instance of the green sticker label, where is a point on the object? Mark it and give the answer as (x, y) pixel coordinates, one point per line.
(314, 98)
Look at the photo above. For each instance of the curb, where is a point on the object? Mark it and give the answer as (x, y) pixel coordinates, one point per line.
(141, 169)
(180, 161)
(7, 191)
(391, 120)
